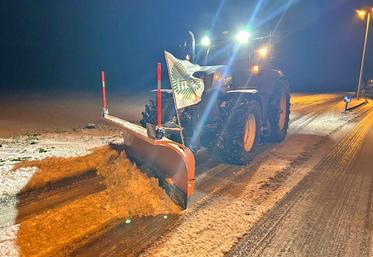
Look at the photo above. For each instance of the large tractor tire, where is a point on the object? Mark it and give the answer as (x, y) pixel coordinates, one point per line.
(279, 114)
(242, 134)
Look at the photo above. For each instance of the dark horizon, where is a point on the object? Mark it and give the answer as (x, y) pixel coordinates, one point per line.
(56, 46)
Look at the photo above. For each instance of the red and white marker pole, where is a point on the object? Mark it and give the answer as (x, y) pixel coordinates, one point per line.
(159, 107)
(104, 108)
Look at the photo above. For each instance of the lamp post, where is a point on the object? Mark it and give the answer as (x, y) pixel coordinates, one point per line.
(191, 34)
(362, 14)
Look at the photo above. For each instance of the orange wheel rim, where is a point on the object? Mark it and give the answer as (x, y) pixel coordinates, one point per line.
(250, 132)
(282, 118)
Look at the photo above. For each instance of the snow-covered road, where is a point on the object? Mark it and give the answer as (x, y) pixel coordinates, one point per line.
(228, 202)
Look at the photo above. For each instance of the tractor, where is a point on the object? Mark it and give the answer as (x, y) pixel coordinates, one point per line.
(245, 103)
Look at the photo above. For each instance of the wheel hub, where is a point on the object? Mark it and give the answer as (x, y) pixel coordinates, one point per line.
(250, 132)
(282, 118)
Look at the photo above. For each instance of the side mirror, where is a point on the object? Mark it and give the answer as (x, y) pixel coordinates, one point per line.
(200, 74)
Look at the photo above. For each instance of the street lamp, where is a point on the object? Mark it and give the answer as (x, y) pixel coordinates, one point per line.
(191, 34)
(363, 14)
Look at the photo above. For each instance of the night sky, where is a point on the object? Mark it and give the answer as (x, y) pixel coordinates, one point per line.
(50, 45)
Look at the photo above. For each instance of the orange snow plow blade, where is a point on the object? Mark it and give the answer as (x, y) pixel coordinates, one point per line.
(171, 162)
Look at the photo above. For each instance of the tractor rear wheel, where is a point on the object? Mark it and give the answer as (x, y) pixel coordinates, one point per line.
(279, 114)
(242, 134)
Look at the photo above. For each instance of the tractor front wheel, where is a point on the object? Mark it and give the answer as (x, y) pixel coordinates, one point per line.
(242, 134)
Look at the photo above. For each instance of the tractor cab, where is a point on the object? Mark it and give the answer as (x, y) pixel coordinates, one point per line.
(236, 59)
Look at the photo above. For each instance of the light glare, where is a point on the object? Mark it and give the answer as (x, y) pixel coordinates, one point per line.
(242, 37)
(361, 13)
(206, 41)
(255, 69)
(263, 52)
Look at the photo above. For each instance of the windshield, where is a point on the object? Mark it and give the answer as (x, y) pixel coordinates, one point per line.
(226, 51)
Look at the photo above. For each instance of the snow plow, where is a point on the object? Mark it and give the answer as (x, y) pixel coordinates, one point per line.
(171, 162)
(226, 109)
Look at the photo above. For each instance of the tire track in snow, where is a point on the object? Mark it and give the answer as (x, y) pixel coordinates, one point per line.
(313, 218)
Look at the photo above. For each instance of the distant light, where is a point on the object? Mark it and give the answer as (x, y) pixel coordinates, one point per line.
(361, 13)
(165, 216)
(205, 41)
(263, 52)
(128, 221)
(243, 36)
(255, 69)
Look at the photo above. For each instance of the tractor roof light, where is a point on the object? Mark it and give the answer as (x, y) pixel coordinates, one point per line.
(242, 37)
(263, 52)
(255, 69)
(205, 41)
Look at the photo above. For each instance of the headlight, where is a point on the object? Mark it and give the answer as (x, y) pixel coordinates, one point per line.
(242, 37)
(205, 41)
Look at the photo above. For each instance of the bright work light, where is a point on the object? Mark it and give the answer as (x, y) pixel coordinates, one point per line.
(205, 41)
(255, 69)
(242, 37)
(263, 52)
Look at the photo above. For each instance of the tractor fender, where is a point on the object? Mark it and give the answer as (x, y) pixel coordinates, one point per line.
(244, 94)
(164, 91)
